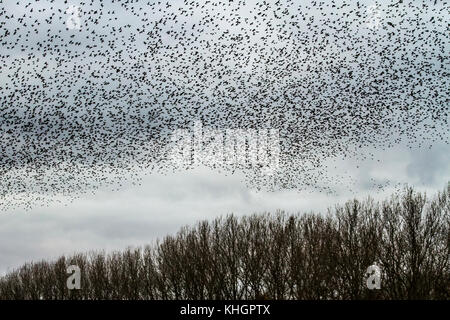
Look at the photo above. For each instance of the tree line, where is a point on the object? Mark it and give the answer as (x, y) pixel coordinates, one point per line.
(269, 256)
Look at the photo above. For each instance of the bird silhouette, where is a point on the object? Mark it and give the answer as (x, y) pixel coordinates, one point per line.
(98, 103)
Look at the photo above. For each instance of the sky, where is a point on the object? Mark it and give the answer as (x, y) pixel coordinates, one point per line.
(138, 215)
(125, 214)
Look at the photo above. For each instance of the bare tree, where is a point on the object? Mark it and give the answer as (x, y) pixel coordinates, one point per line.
(269, 256)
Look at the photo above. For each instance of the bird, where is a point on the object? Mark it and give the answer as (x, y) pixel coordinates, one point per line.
(98, 104)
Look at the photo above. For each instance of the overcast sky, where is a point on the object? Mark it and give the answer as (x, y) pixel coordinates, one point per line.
(137, 215)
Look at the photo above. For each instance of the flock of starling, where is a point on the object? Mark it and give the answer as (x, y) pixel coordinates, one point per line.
(91, 91)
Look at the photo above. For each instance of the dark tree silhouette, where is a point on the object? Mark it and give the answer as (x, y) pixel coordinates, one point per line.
(270, 256)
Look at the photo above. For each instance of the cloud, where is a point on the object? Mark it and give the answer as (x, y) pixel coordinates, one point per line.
(137, 215)
(430, 167)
